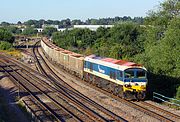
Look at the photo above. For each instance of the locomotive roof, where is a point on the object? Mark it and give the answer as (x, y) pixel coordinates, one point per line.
(117, 64)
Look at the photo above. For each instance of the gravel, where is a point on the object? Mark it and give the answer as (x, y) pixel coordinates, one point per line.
(9, 92)
(124, 111)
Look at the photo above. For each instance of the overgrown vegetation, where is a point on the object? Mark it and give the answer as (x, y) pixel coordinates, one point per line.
(5, 45)
(156, 45)
(29, 31)
(6, 39)
(48, 31)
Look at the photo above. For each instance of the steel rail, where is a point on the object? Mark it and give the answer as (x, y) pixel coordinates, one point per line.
(13, 78)
(76, 93)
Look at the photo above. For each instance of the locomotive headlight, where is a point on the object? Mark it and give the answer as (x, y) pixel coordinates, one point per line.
(127, 85)
(143, 87)
(136, 84)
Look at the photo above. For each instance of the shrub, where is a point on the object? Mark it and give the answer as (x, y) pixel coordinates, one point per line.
(5, 45)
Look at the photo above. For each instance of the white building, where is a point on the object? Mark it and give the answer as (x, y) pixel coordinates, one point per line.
(39, 29)
(93, 27)
(54, 26)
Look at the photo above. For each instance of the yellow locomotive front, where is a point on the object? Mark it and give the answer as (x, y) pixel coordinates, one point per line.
(135, 81)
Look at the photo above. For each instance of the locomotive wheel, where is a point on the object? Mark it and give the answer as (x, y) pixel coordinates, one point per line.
(98, 84)
(87, 77)
(140, 95)
(111, 88)
(124, 95)
(120, 94)
(118, 91)
(93, 80)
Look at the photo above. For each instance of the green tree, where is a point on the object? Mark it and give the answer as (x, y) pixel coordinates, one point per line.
(5, 24)
(29, 31)
(13, 30)
(5, 45)
(167, 11)
(48, 31)
(30, 22)
(6, 35)
(161, 51)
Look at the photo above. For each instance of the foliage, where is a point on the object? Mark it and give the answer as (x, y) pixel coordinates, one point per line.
(4, 24)
(76, 38)
(124, 38)
(5, 45)
(48, 31)
(29, 31)
(6, 35)
(156, 44)
(162, 45)
(178, 93)
(13, 30)
(167, 11)
(65, 23)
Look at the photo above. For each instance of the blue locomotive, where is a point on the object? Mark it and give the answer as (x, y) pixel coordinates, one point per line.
(122, 78)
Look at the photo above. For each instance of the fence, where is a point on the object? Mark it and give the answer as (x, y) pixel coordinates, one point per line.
(168, 100)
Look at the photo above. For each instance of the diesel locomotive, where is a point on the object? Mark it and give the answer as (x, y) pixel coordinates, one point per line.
(125, 79)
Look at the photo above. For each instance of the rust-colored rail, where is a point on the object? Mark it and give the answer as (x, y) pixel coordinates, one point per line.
(18, 82)
(31, 88)
(160, 109)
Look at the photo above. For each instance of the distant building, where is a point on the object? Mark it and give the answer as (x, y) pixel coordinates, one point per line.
(39, 29)
(54, 26)
(61, 29)
(93, 27)
(22, 29)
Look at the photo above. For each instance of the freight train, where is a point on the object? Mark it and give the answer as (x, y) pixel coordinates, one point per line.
(125, 79)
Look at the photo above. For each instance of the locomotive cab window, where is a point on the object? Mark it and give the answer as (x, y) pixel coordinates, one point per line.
(129, 73)
(141, 74)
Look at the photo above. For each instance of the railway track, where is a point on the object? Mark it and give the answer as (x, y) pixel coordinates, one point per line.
(17, 80)
(33, 107)
(58, 111)
(167, 113)
(169, 117)
(60, 84)
(158, 116)
(143, 107)
(31, 70)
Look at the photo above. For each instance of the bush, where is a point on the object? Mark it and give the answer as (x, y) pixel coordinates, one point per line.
(5, 45)
(178, 93)
(29, 31)
(6, 35)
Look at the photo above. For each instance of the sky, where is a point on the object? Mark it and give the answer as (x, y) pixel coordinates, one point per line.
(22, 10)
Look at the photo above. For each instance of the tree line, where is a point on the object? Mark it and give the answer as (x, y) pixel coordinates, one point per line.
(156, 45)
(66, 23)
(31, 25)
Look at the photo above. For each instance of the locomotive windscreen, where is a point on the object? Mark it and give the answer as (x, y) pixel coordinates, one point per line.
(135, 73)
